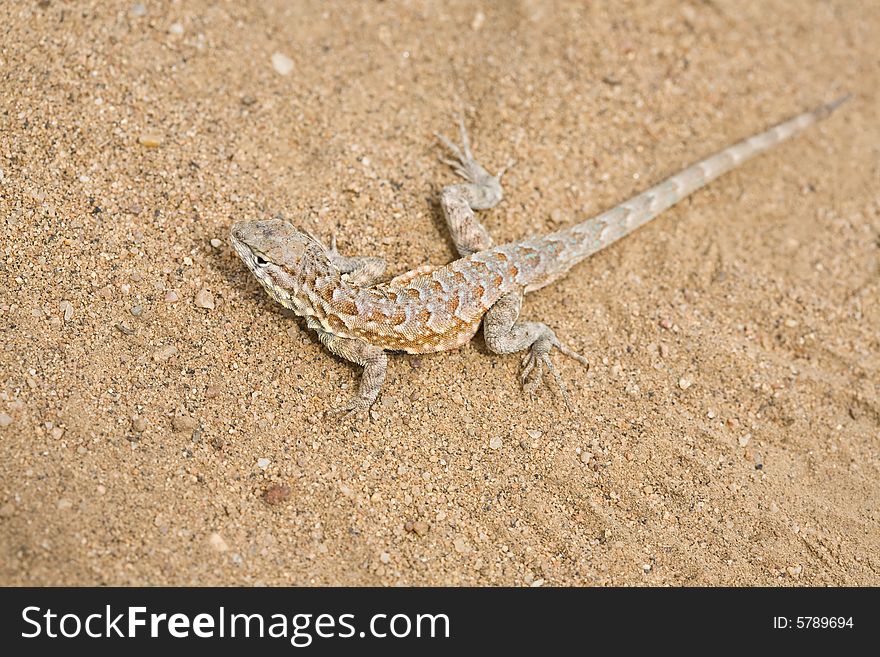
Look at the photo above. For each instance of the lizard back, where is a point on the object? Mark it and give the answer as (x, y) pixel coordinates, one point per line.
(439, 308)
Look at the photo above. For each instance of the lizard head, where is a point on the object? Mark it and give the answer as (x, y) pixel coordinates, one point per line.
(284, 259)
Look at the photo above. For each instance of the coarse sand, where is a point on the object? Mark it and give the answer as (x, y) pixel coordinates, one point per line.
(162, 420)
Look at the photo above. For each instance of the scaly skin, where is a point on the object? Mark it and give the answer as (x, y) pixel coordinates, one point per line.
(433, 309)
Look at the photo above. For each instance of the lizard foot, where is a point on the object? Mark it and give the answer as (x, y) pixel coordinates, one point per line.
(350, 410)
(464, 163)
(538, 358)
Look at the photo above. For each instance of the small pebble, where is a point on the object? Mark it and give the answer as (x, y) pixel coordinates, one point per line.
(744, 440)
(263, 463)
(101, 489)
(56, 433)
(477, 22)
(276, 494)
(150, 139)
(495, 443)
(684, 383)
(384, 34)
(666, 323)
(646, 568)
(176, 29)
(538, 582)
(216, 243)
(586, 457)
(5, 420)
(534, 433)
(205, 299)
(171, 296)
(164, 353)
(64, 503)
(420, 527)
(282, 63)
(137, 311)
(184, 424)
(385, 557)
(138, 424)
(217, 543)
(138, 11)
(124, 328)
(67, 309)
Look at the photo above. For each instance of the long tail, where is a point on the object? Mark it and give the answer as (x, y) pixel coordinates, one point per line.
(598, 232)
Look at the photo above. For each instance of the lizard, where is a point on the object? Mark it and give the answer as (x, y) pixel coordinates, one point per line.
(361, 317)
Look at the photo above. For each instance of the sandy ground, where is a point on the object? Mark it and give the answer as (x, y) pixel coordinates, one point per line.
(161, 420)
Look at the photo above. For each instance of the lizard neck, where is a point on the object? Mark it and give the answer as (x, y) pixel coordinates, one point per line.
(335, 303)
(308, 292)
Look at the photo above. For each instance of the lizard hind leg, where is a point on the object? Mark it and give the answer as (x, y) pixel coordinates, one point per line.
(504, 335)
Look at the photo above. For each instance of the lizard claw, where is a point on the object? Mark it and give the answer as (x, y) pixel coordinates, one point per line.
(463, 162)
(453, 148)
(538, 358)
(510, 163)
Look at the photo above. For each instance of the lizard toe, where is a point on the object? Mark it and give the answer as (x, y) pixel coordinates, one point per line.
(537, 360)
(349, 411)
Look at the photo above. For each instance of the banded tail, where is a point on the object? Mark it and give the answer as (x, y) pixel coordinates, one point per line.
(598, 232)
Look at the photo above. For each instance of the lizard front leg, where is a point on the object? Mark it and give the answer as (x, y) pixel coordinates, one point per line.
(372, 359)
(482, 191)
(360, 270)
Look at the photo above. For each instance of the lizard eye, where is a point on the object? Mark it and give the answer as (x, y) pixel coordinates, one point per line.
(261, 262)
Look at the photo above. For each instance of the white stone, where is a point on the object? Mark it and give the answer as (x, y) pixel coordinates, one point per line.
(282, 63)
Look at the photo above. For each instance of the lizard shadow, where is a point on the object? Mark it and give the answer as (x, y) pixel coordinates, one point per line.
(439, 223)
